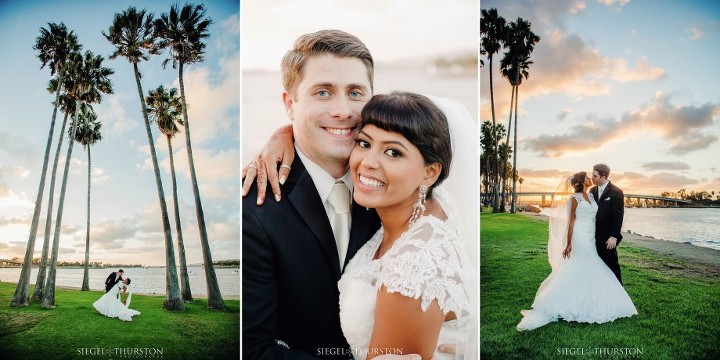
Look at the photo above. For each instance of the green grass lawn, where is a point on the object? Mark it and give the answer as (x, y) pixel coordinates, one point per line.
(74, 327)
(679, 311)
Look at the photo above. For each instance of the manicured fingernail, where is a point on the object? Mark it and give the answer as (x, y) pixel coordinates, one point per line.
(259, 200)
(282, 180)
(442, 349)
(277, 197)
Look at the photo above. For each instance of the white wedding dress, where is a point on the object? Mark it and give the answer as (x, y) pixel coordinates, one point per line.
(426, 262)
(109, 305)
(583, 288)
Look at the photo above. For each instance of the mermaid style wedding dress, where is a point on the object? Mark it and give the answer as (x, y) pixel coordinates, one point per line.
(583, 288)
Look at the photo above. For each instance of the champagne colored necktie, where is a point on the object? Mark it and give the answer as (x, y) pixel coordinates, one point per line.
(339, 200)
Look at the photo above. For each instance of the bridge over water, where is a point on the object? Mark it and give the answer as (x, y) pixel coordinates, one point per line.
(630, 199)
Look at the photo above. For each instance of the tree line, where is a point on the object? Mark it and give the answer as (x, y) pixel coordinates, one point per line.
(80, 80)
(518, 41)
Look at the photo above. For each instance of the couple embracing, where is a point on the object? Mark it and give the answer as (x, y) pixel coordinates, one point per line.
(585, 284)
(111, 303)
(360, 253)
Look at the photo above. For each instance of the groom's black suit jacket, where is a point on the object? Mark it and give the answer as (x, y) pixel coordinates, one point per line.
(608, 222)
(111, 280)
(290, 272)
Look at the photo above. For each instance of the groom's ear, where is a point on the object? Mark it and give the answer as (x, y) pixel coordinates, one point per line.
(289, 105)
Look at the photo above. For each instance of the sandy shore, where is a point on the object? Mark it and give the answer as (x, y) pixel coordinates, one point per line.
(692, 253)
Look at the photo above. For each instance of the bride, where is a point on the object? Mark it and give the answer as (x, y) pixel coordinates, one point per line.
(581, 288)
(109, 304)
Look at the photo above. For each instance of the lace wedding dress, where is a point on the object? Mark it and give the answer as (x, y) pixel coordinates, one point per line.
(109, 305)
(426, 262)
(583, 288)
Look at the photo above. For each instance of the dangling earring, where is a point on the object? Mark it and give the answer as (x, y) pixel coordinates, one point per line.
(419, 207)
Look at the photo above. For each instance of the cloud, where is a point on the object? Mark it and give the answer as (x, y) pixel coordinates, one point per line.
(666, 165)
(695, 33)
(113, 116)
(643, 71)
(653, 184)
(565, 63)
(564, 114)
(683, 126)
(615, 5)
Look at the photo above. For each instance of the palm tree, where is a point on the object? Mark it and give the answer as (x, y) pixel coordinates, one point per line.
(54, 46)
(87, 79)
(492, 30)
(87, 134)
(67, 106)
(164, 108)
(132, 34)
(515, 64)
(183, 31)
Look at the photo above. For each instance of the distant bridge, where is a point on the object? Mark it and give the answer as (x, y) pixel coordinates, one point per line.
(656, 200)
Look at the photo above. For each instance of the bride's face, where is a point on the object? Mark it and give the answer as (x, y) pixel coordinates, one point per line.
(588, 181)
(387, 169)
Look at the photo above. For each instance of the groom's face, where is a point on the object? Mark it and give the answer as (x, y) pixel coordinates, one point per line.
(597, 179)
(325, 107)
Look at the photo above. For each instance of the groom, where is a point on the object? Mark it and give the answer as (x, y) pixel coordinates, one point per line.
(292, 256)
(113, 279)
(609, 218)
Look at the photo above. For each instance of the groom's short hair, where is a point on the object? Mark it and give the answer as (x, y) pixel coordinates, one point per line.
(602, 169)
(323, 42)
(121, 270)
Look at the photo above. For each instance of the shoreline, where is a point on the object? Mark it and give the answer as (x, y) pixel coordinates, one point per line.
(77, 288)
(683, 251)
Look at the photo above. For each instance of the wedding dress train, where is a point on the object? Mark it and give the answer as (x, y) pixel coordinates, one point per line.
(109, 305)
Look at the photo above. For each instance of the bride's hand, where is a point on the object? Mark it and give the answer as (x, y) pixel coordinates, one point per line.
(566, 252)
(278, 150)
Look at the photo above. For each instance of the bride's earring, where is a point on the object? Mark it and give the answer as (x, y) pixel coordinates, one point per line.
(419, 207)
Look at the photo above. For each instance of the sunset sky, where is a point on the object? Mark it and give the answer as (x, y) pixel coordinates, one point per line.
(626, 82)
(126, 223)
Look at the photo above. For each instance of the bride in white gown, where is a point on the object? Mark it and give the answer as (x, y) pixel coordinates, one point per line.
(582, 288)
(110, 305)
(412, 285)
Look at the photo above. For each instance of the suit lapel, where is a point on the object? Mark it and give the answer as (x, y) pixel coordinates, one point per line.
(306, 201)
(606, 191)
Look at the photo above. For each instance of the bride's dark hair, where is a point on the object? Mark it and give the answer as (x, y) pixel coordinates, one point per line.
(419, 120)
(128, 279)
(578, 181)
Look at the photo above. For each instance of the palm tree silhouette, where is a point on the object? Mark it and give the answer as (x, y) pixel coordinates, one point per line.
(54, 46)
(165, 108)
(492, 30)
(85, 82)
(514, 66)
(87, 134)
(182, 31)
(132, 34)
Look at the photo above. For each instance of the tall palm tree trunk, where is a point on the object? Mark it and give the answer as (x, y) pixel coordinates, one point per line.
(495, 141)
(507, 146)
(86, 275)
(184, 278)
(215, 300)
(515, 154)
(49, 296)
(22, 294)
(173, 301)
(42, 269)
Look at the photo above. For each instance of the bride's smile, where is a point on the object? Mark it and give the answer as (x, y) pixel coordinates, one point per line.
(386, 168)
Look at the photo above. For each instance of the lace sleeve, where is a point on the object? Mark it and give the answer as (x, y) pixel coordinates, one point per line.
(425, 263)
